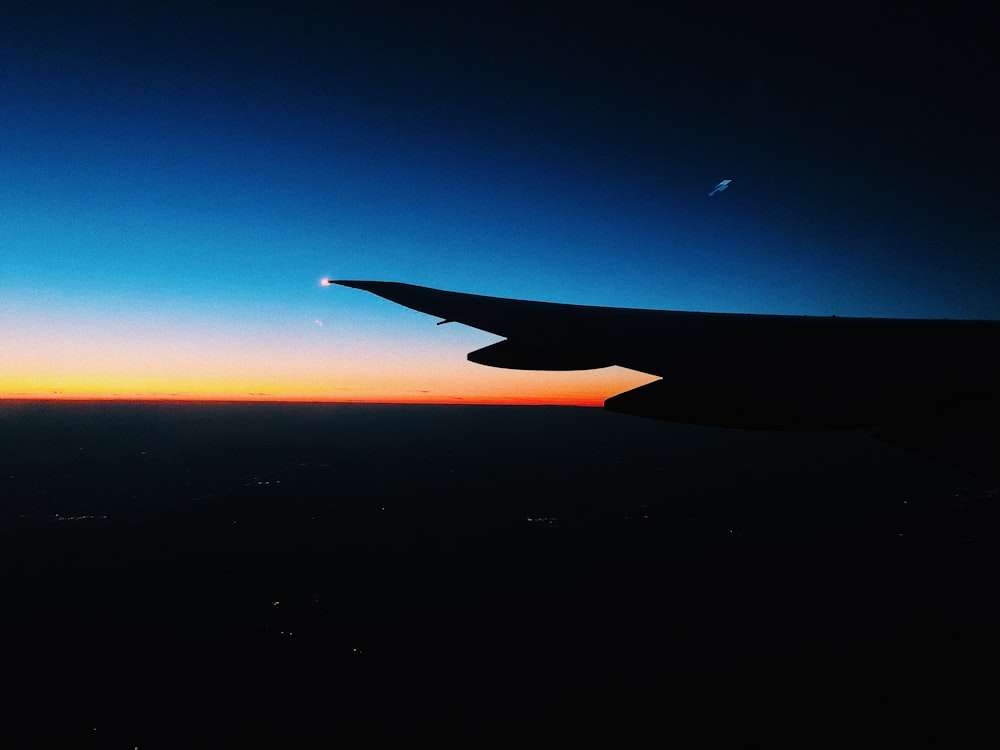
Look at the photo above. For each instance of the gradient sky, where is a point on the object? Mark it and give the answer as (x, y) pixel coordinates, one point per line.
(176, 178)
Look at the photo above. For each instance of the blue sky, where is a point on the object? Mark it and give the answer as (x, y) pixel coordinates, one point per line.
(200, 169)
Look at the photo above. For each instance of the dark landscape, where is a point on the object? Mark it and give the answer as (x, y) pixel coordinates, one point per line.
(293, 574)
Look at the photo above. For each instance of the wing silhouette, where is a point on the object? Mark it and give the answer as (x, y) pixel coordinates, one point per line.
(930, 386)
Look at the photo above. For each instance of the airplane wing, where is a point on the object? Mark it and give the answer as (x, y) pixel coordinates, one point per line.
(928, 384)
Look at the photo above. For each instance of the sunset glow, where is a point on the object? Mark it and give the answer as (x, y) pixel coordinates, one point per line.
(79, 350)
(575, 389)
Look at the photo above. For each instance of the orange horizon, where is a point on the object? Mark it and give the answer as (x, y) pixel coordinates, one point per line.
(95, 357)
(462, 384)
(189, 398)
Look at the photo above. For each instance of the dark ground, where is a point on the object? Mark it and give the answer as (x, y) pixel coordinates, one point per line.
(192, 574)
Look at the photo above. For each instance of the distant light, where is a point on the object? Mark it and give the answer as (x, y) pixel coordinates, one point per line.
(325, 281)
(720, 187)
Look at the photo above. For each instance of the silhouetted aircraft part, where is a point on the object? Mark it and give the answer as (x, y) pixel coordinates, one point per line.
(720, 187)
(915, 380)
(514, 356)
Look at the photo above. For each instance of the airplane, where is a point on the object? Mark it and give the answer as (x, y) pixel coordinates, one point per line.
(929, 386)
(720, 187)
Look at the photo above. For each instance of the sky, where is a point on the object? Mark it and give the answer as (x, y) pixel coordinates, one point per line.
(176, 178)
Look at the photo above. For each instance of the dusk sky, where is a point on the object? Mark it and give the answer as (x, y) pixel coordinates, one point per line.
(175, 179)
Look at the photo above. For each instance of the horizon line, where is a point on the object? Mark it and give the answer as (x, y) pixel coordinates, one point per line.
(261, 400)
